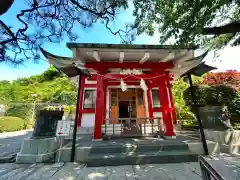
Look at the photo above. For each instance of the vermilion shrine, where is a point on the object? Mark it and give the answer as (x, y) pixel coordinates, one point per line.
(129, 90)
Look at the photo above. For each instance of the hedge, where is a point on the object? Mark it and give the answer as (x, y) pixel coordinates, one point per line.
(218, 95)
(9, 124)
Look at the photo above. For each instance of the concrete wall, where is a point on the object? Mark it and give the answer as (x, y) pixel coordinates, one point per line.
(229, 140)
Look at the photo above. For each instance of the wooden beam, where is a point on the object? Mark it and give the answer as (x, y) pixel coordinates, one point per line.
(169, 57)
(99, 110)
(121, 57)
(96, 56)
(156, 67)
(79, 56)
(145, 57)
(154, 78)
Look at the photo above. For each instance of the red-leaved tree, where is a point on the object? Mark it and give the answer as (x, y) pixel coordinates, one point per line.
(228, 78)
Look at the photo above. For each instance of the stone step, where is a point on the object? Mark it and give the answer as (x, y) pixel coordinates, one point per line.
(162, 157)
(137, 148)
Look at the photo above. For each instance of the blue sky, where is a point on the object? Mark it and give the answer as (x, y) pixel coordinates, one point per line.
(229, 58)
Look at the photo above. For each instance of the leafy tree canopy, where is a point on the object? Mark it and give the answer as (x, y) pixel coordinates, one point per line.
(50, 86)
(213, 23)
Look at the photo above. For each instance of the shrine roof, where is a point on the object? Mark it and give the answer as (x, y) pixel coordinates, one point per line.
(127, 46)
(199, 70)
(89, 53)
(66, 65)
(184, 58)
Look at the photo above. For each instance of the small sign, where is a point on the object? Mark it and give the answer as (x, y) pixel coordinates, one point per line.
(64, 128)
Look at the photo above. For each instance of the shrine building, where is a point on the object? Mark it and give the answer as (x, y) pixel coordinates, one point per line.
(128, 89)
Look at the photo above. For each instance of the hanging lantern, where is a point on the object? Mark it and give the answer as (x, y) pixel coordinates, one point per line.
(143, 85)
(123, 85)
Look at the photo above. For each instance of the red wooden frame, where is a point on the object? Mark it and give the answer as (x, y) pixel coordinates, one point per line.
(162, 81)
(100, 104)
(90, 85)
(150, 104)
(173, 112)
(164, 101)
(151, 78)
(88, 111)
(156, 67)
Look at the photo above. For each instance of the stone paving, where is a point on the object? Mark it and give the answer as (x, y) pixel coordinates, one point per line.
(72, 171)
(10, 142)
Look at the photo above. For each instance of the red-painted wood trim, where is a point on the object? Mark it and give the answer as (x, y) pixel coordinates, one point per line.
(165, 105)
(99, 113)
(174, 116)
(87, 111)
(118, 83)
(89, 85)
(81, 101)
(150, 105)
(105, 104)
(156, 67)
(160, 109)
(152, 78)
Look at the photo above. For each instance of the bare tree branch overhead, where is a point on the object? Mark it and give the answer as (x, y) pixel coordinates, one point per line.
(208, 24)
(52, 20)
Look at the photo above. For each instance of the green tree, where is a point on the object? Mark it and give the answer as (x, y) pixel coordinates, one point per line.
(178, 89)
(213, 23)
(49, 85)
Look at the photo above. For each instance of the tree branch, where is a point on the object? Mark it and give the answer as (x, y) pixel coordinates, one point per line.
(228, 28)
(5, 5)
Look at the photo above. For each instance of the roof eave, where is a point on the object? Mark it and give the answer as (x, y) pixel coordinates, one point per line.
(128, 46)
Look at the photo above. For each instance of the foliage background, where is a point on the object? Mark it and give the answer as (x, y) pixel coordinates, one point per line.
(219, 88)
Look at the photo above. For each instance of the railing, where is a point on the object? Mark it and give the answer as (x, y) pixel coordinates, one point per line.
(130, 127)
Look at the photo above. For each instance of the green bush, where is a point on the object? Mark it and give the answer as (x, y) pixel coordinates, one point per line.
(23, 111)
(211, 95)
(8, 124)
(218, 95)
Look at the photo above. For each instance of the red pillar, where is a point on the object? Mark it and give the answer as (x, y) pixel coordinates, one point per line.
(150, 104)
(80, 107)
(99, 110)
(105, 103)
(165, 108)
(174, 116)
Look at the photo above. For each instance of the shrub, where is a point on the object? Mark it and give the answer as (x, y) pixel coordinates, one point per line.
(23, 111)
(8, 124)
(211, 95)
(218, 95)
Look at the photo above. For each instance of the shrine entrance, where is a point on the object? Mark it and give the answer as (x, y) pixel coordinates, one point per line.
(127, 104)
(126, 109)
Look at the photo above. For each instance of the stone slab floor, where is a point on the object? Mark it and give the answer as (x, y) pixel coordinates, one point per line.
(73, 171)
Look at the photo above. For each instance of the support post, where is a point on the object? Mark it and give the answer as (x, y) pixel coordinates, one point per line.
(76, 120)
(173, 111)
(99, 110)
(150, 104)
(80, 99)
(105, 103)
(165, 109)
(196, 110)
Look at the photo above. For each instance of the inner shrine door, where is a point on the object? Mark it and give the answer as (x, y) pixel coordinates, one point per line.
(129, 105)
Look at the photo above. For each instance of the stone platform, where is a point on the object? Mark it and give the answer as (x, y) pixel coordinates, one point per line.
(132, 151)
(37, 150)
